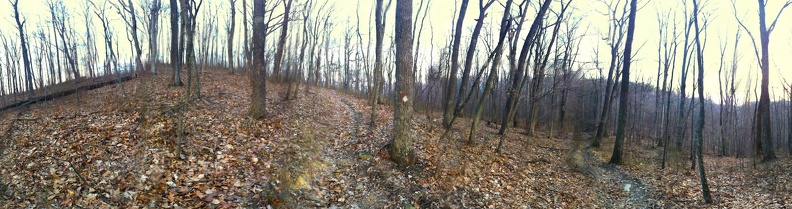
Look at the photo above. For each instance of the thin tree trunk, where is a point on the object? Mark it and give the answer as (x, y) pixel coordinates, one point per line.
(517, 78)
(700, 124)
(617, 35)
(25, 53)
(153, 35)
(616, 158)
(539, 74)
(282, 40)
(380, 34)
(505, 27)
(452, 81)
(231, 25)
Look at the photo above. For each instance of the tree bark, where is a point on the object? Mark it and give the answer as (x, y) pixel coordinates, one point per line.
(617, 36)
(517, 77)
(231, 36)
(131, 21)
(153, 35)
(616, 158)
(452, 81)
(539, 74)
(699, 137)
(248, 54)
(258, 74)
(175, 52)
(505, 27)
(469, 57)
(765, 124)
(401, 144)
(25, 53)
(282, 40)
(379, 22)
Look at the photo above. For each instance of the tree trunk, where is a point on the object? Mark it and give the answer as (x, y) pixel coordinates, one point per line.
(768, 154)
(517, 77)
(25, 53)
(505, 27)
(401, 144)
(231, 36)
(258, 74)
(469, 58)
(789, 131)
(282, 41)
(617, 35)
(700, 124)
(380, 34)
(539, 74)
(153, 35)
(132, 23)
(452, 81)
(248, 54)
(616, 158)
(175, 52)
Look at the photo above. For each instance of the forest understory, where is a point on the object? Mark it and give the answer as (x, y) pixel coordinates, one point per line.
(98, 149)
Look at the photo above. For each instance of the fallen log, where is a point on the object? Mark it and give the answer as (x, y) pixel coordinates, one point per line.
(60, 94)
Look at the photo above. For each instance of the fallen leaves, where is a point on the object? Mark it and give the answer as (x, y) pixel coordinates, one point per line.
(320, 145)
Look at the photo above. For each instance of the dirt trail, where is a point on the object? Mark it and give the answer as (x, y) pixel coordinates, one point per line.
(617, 188)
(339, 173)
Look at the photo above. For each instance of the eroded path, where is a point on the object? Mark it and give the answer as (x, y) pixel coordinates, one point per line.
(339, 173)
(616, 187)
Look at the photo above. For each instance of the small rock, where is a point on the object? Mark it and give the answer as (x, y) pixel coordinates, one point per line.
(365, 156)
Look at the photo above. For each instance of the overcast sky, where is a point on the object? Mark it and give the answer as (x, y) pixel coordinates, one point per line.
(439, 21)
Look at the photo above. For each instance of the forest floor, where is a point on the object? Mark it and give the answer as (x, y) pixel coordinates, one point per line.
(98, 149)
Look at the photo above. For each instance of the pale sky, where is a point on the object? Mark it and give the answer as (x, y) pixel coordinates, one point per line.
(439, 22)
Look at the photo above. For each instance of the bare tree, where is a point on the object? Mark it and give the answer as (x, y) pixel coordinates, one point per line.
(258, 74)
(505, 27)
(231, 36)
(282, 39)
(401, 150)
(245, 37)
(483, 6)
(111, 61)
(460, 103)
(536, 94)
(764, 123)
(616, 158)
(615, 37)
(153, 32)
(189, 10)
(379, 22)
(127, 12)
(699, 136)
(669, 57)
(175, 54)
(686, 62)
(452, 79)
(515, 89)
(23, 42)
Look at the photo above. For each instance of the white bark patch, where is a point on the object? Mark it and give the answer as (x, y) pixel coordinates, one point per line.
(404, 99)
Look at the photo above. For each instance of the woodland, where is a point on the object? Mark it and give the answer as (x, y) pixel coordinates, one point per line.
(282, 104)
